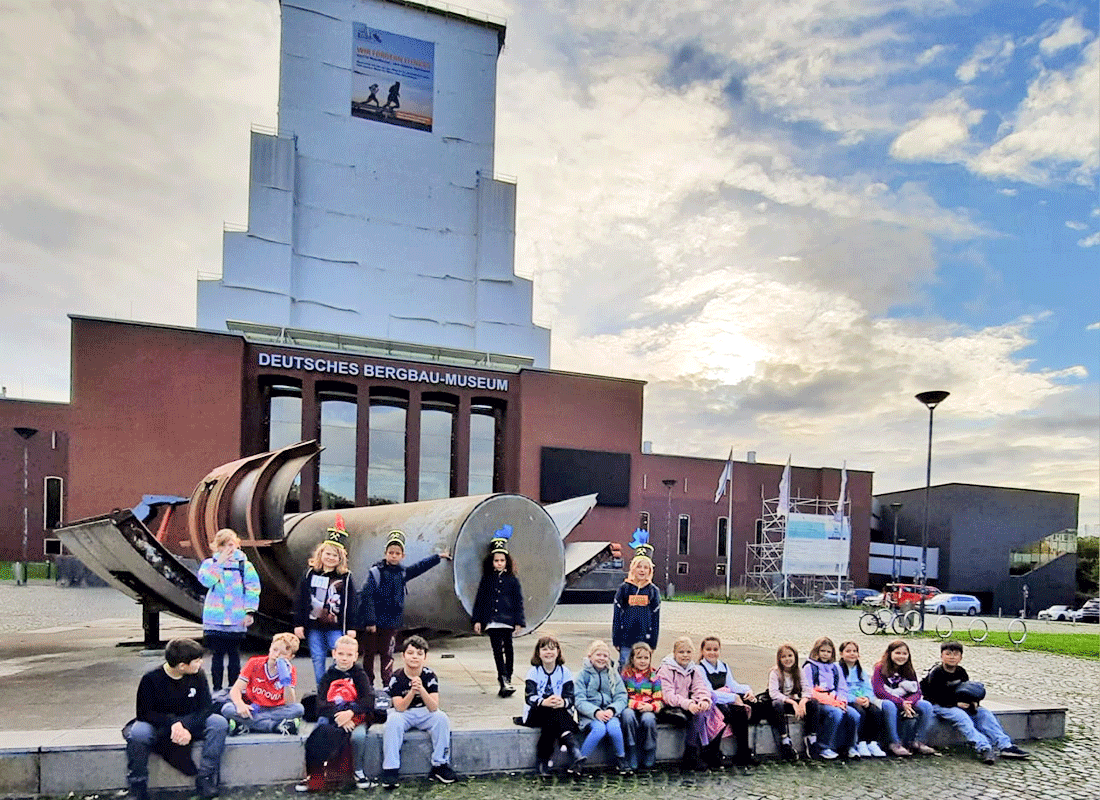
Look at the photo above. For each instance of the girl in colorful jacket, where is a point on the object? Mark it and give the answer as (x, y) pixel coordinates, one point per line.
(233, 596)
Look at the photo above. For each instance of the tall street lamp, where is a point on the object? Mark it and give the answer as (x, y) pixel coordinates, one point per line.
(931, 400)
(24, 434)
(895, 507)
(669, 483)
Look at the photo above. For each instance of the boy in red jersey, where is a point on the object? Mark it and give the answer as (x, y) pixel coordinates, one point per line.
(264, 699)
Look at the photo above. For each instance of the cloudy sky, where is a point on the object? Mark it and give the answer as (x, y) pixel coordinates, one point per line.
(788, 217)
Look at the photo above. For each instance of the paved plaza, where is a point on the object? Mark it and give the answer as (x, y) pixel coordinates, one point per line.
(61, 666)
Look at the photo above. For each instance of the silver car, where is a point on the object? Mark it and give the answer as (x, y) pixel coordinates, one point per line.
(950, 603)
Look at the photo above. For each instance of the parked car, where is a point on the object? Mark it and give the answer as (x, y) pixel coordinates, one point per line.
(852, 597)
(1057, 613)
(1089, 612)
(874, 601)
(907, 595)
(950, 603)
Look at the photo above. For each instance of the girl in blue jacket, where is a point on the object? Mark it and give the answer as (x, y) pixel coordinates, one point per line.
(637, 616)
(498, 608)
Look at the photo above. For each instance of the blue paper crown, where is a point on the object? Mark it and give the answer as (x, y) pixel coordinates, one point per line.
(500, 539)
(641, 541)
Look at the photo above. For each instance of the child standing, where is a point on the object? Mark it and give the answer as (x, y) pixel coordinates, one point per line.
(234, 594)
(601, 698)
(173, 708)
(785, 695)
(687, 698)
(643, 701)
(415, 692)
(264, 699)
(871, 724)
(345, 707)
(637, 615)
(549, 702)
(895, 683)
(321, 614)
(382, 604)
(977, 725)
(837, 723)
(498, 608)
(734, 700)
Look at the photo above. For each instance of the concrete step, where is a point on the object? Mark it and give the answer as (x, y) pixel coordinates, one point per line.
(56, 763)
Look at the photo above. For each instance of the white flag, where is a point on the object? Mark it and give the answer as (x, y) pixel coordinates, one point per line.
(724, 478)
(843, 491)
(785, 490)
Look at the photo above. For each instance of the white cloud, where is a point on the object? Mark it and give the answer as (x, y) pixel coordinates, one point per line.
(1089, 241)
(1076, 226)
(991, 55)
(1009, 192)
(1053, 133)
(1069, 34)
(930, 55)
(941, 135)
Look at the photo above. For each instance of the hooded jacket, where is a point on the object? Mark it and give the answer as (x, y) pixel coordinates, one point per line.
(597, 689)
(382, 602)
(681, 685)
(234, 591)
(637, 615)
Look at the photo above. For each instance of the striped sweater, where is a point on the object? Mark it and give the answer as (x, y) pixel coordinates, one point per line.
(642, 687)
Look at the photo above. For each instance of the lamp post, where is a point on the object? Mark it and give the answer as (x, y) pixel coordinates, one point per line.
(931, 400)
(669, 483)
(21, 573)
(895, 507)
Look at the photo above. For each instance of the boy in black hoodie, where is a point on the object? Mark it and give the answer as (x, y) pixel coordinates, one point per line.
(174, 708)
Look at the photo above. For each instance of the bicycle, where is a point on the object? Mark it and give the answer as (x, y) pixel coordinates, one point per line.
(900, 621)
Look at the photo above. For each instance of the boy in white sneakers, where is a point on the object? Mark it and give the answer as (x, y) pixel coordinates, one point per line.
(263, 699)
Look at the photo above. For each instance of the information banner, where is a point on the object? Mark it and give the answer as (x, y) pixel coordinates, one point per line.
(392, 78)
(816, 544)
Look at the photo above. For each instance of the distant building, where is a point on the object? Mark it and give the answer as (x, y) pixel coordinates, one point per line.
(990, 541)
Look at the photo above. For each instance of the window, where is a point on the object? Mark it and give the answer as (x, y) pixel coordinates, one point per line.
(723, 538)
(684, 539)
(336, 467)
(719, 570)
(282, 427)
(760, 531)
(437, 434)
(681, 568)
(53, 503)
(486, 426)
(643, 520)
(386, 471)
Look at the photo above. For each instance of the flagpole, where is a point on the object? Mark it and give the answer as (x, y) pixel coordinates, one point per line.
(729, 536)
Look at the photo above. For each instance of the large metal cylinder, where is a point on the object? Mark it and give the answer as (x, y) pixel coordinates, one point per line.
(443, 597)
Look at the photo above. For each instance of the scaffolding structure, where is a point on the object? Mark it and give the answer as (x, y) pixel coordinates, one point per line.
(764, 557)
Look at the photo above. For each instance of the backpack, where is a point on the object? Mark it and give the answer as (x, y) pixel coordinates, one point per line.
(328, 758)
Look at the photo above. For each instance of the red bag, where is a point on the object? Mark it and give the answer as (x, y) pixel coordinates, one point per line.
(334, 774)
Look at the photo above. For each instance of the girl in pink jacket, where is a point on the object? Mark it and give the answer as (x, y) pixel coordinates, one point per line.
(687, 697)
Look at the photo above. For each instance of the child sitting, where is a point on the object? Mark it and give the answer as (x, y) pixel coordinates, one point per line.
(687, 697)
(871, 723)
(895, 683)
(643, 701)
(837, 723)
(173, 707)
(345, 707)
(977, 725)
(414, 690)
(734, 700)
(601, 698)
(785, 695)
(263, 699)
(549, 701)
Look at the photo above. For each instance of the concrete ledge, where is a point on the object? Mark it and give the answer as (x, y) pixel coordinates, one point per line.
(58, 762)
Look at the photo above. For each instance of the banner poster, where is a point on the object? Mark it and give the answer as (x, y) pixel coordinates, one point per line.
(392, 78)
(816, 544)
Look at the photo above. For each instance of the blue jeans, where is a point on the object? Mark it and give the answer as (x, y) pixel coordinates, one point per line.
(597, 730)
(912, 729)
(982, 730)
(837, 727)
(266, 719)
(640, 730)
(141, 737)
(321, 643)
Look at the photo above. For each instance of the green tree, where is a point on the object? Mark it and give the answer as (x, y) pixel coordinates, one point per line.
(1088, 567)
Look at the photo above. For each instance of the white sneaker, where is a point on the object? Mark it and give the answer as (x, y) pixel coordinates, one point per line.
(875, 750)
(853, 752)
(828, 754)
(864, 750)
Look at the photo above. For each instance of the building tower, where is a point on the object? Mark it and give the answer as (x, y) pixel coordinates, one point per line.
(373, 211)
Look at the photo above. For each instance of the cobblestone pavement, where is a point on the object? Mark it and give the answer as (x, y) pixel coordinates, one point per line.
(1067, 769)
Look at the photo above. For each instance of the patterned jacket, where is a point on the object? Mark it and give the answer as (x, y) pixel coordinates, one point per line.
(234, 590)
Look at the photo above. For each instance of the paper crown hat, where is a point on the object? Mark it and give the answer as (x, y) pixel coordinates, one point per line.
(499, 543)
(337, 535)
(397, 538)
(640, 543)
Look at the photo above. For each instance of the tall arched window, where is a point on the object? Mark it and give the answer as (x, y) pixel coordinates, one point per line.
(386, 471)
(486, 425)
(336, 470)
(437, 455)
(283, 426)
